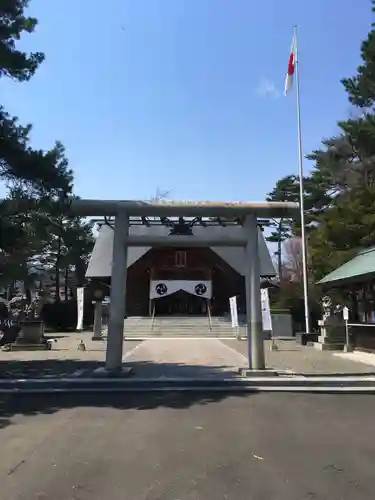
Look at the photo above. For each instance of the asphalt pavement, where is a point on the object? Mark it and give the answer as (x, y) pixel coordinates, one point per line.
(187, 447)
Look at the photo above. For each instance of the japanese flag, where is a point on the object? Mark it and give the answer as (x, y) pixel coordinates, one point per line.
(291, 66)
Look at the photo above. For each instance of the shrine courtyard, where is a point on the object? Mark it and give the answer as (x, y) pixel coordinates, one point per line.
(206, 357)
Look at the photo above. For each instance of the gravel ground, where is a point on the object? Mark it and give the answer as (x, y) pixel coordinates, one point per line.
(303, 359)
(63, 360)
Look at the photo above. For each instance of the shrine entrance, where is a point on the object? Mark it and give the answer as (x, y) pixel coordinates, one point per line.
(180, 297)
(181, 303)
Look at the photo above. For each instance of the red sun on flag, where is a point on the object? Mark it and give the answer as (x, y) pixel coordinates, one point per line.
(291, 67)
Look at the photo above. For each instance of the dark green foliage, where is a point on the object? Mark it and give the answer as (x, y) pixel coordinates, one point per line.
(62, 316)
(34, 172)
(361, 87)
(13, 23)
(290, 297)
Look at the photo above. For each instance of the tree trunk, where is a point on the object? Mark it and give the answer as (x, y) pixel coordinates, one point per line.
(57, 270)
(80, 271)
(279, 260)
(28, 294)
(66, 288)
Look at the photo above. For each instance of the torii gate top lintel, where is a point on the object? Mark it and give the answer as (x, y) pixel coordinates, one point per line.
(92, 208)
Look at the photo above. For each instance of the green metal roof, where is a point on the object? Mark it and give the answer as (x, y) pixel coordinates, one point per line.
(363, 263)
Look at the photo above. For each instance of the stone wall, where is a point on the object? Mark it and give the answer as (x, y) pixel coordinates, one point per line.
(282, 324)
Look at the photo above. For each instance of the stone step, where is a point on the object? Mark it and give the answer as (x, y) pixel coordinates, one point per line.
(29, 347)
(128, 335)
(178, 319)
(187, 323)
(189, 326)
(217, 327)
(217, 330)
(186, 330)
(174, 327)
(339, 346)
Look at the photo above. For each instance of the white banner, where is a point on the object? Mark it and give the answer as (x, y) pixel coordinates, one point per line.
(163, 288)
(80, 302)
(266, 311)
(233, 311)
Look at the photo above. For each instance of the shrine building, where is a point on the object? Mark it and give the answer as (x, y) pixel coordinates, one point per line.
(173, 280)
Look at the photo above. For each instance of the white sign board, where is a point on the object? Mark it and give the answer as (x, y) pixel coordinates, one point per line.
(266, 311)
(345, 314)
(233, 311)
(80, 302)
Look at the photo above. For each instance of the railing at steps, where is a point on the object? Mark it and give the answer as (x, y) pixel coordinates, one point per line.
(209, 317)
(153, 317)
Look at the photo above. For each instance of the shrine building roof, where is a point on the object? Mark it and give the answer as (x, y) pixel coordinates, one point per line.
(101, 257)
(360, 268)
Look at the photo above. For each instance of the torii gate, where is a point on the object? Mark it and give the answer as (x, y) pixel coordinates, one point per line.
(247, 237)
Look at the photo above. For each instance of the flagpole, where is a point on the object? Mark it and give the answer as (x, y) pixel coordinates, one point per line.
(301, 193)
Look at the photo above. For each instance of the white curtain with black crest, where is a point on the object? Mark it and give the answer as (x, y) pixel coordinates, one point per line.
(163, 288)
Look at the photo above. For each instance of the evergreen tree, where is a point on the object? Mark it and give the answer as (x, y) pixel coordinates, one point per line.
(38, 182)
(361, 87)
(18, 161)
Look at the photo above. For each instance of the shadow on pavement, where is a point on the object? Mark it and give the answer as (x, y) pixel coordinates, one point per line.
(15, 369)
(12, 406)
(287, 349)
(162, 369)
(80, 368)
(45, 367)
(334, 374)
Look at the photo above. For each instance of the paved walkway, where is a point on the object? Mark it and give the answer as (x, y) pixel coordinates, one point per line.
(368, 358)
(213, 357)
(184, 358)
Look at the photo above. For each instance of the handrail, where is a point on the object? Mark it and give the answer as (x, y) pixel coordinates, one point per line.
(209, 316)
(153, 316)
(361, 324)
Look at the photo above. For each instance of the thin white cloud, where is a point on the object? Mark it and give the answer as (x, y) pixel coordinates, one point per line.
(266, 88)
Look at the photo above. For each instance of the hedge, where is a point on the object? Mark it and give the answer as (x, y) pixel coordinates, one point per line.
(62, 316)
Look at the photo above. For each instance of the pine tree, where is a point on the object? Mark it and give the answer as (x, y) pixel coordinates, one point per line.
(361, 87)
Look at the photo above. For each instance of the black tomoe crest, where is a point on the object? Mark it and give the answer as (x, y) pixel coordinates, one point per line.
(200, 289)
(161, 289)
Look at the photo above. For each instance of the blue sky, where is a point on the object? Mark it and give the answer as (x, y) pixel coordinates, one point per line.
(185, 95)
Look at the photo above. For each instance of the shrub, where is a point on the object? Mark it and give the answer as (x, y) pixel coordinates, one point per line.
(62, 316)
